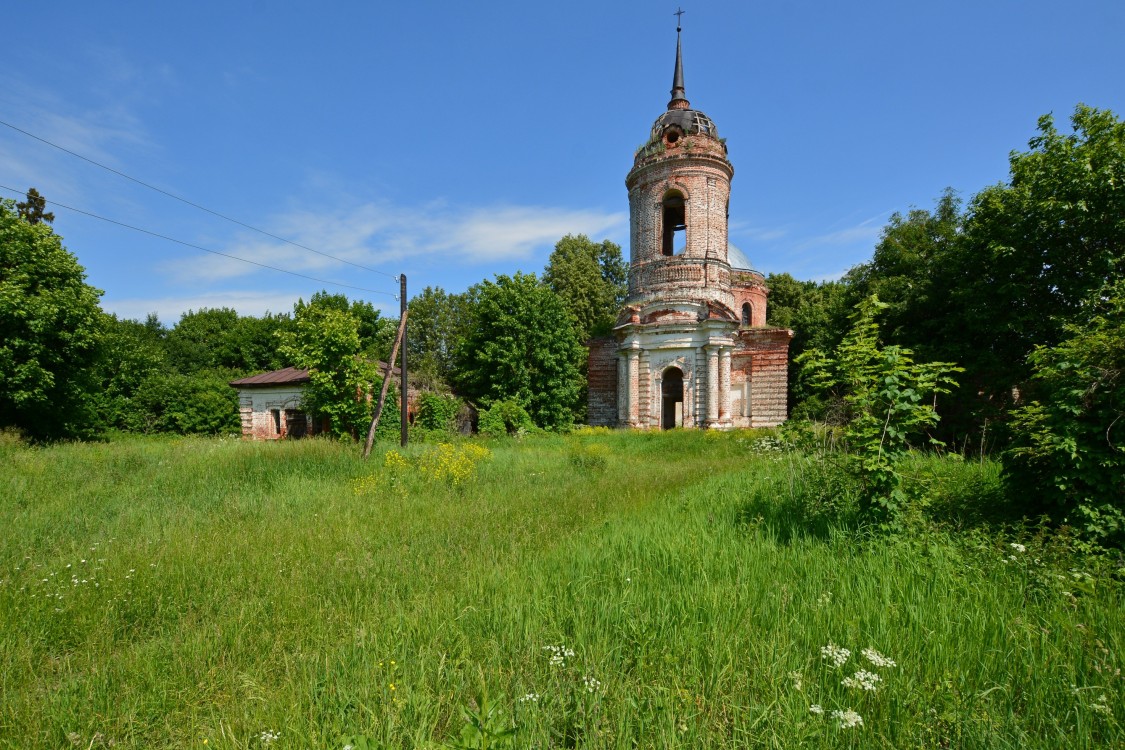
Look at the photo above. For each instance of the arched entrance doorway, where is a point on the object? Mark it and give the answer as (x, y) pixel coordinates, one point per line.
(672, 398)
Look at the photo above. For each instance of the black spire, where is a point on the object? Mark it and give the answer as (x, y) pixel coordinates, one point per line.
(679, 99)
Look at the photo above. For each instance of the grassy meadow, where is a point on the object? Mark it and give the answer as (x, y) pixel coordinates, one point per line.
(607, 590)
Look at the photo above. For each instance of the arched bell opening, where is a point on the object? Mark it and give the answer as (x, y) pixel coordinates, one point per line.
(673, 240)
(672, 398)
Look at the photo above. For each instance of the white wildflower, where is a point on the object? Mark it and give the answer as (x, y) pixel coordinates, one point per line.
(1101, 706)
(559, 655)
(795, 676)
(592, 685)
(848, 719)
(877, 659)
(862, 680)
(269, 737)
(1018, 547)
(530, 698)
(816, 709)
(835, 655)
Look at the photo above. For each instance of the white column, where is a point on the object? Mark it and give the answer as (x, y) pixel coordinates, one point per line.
(724, 386)
(656, 416)
(622, 392)
(712, 386)
(633, 367)
(631, 386)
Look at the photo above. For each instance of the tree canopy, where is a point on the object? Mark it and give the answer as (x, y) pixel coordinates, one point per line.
(32, 210)
(522, 347)
(49, 329)
(590, 279)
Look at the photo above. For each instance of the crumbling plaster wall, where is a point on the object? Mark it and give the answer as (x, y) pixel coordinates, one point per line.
(255, 410)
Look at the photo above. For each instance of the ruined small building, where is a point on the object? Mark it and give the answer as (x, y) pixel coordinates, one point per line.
(691, 347)
(270, 404)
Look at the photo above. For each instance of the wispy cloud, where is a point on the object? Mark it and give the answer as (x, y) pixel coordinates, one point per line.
(375, 234)
(94, 132)
(866, 231)
(756, 234)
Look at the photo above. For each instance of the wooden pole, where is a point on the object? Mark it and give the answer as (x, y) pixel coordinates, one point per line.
(386, 385)
(402, 405)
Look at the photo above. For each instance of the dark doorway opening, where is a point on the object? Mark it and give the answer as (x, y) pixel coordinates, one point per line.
(672, 399)
(297, 424)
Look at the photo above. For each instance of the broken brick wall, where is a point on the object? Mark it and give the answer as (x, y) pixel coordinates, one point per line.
(601, 400)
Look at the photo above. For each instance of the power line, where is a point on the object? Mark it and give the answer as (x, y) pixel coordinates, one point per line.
(204, 249)
(190, 203)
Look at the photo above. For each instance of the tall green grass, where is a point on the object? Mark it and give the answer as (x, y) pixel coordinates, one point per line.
(198, 593)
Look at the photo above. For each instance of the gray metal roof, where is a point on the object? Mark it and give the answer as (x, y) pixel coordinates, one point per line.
(738, 259)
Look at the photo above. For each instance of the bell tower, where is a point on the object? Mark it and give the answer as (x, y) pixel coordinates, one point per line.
(679, 190)
(690, 348)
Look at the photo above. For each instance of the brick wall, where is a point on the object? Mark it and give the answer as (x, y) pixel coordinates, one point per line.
(601, 404)
(762, 362)
(750, 287)
(697, 168)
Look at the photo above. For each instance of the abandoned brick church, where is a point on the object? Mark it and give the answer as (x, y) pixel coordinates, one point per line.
(691, 347)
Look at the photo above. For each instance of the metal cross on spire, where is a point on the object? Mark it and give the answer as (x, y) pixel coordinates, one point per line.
(679, 12)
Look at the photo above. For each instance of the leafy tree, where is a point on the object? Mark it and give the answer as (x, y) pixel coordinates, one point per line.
(438, 322)
(376, 334)
(202, 403)
(326, 341)
(129, 354)
(888, 396)
(221, 338)
(590, 278)
(1068, 451)
(818, 315)
(50, 323)
(909, 272)
(1036, 248)
(205, 339)
(523, 347)
(32, 211)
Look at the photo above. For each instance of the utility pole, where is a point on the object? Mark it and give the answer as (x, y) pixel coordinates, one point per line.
(386, 386)
(402, 367)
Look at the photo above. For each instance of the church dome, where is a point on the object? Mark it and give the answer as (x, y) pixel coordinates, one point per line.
(737, 259)
(689, 121)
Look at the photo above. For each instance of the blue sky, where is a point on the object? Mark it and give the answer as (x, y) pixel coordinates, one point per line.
(455, 141)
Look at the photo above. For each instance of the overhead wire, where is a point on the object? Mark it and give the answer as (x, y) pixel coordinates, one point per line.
(204, 249)
(194, 205)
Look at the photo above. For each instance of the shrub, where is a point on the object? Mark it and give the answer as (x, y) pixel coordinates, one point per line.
(437, 412)
(1069, 444)
(505, 418)
(888, 398)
